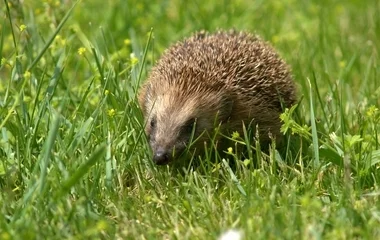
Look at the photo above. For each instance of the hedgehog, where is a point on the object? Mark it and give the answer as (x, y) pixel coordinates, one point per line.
(224, 80)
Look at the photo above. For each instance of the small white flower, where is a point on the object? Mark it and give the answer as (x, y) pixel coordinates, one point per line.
(231, 234)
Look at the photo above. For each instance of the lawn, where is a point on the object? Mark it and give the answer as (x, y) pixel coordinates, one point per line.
(74, 160)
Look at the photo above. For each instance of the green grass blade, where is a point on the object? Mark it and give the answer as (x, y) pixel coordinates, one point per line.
(47, 151)
(234, 178)
(51, 39)
(82, 170)
(11, 26)
(109, 168)
(314, 133)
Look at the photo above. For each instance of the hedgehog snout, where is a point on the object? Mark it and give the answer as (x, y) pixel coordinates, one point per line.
(161, 156)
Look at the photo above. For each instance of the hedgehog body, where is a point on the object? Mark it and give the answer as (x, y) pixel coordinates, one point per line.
(223, 79)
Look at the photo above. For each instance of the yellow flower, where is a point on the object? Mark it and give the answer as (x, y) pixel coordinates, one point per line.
(235, 135)
(5, 236)
(60, 40)
(63, 42)
(134, 59)
(246, 162)
(22, 27)
(127, 42)
(111, 112)
(230, 150)
(81, 50)
(37, 11)
(372, 110)
(276, 39)
(106, 92)
(342, 64)
(101, 225)
(27, 74)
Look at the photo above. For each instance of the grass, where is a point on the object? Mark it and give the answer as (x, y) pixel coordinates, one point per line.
(74, 162)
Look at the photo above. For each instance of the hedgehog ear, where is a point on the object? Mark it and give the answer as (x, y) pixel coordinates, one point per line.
(227, 103)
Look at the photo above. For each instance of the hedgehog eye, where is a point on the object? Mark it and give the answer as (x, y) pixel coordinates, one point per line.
(189, 126)
(153, 122)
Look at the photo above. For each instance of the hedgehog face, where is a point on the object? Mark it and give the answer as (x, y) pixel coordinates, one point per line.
(168, 136)
(173, 121)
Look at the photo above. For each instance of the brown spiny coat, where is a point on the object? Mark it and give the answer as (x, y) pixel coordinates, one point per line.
(226, 78)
